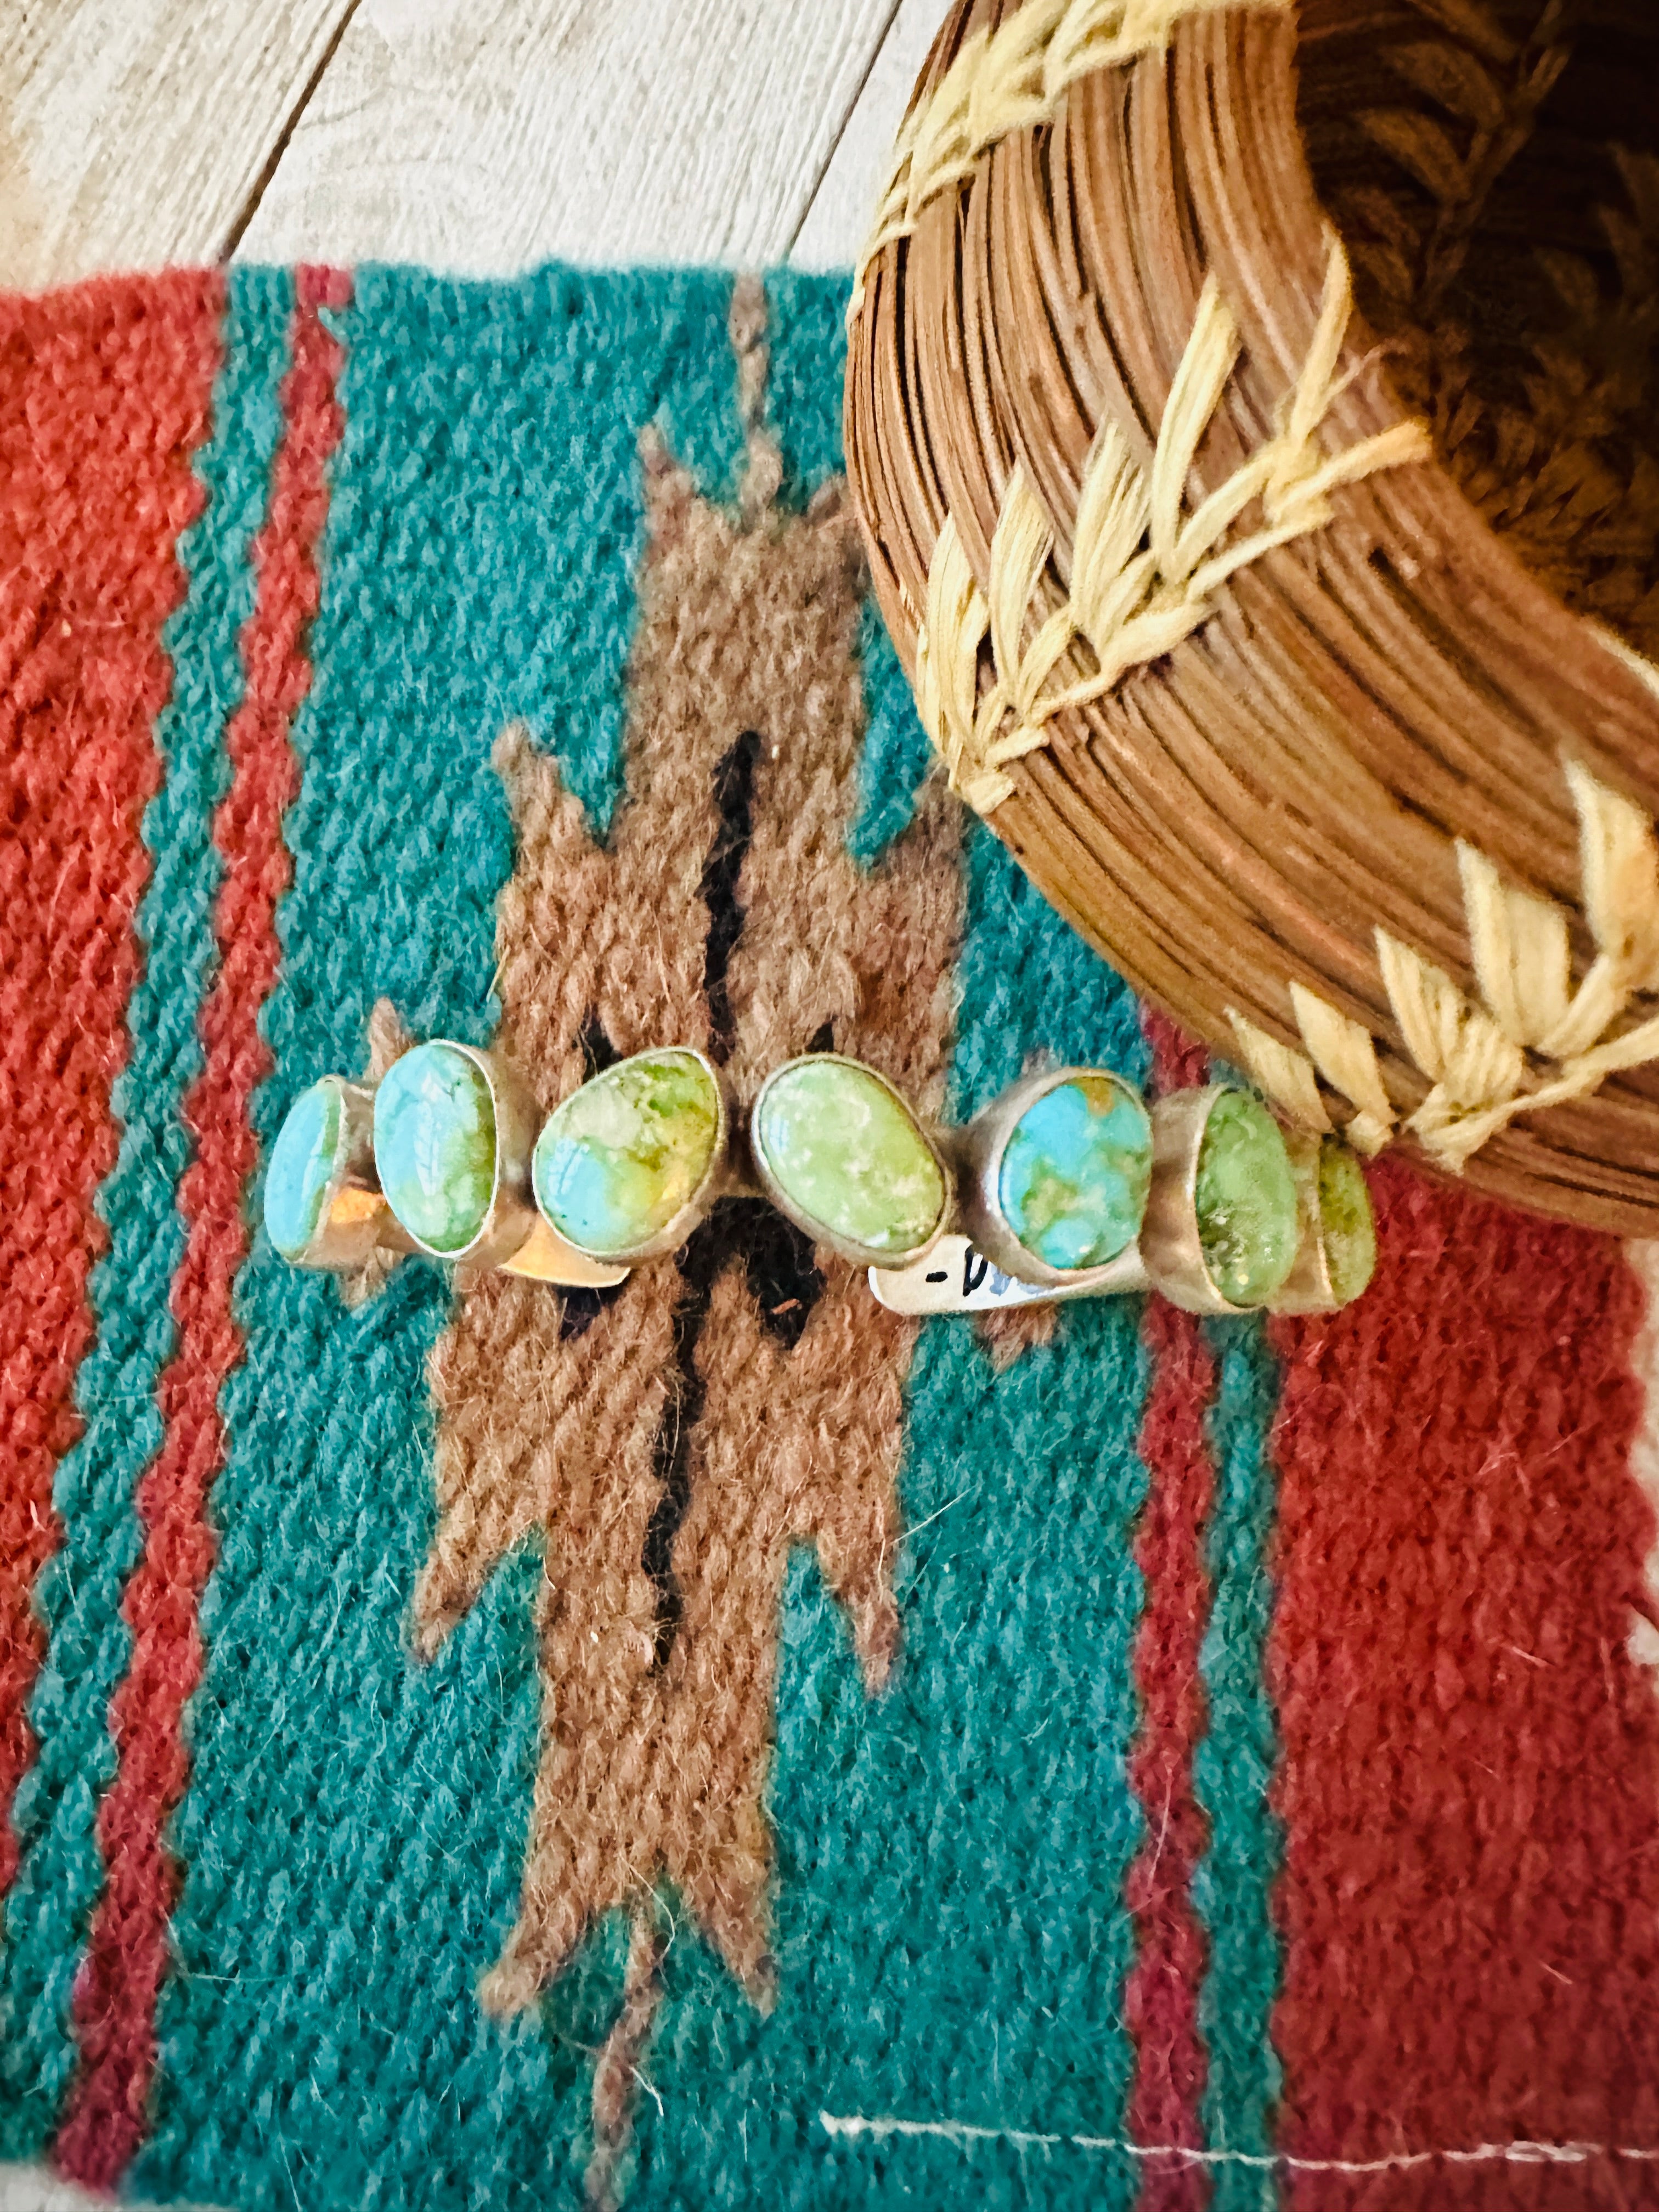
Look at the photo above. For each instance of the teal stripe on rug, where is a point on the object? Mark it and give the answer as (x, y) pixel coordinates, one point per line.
(897, 755)
(356, 1822)
(1233, 1769)
(808, 369)
(80, 1592)
(951, 1936)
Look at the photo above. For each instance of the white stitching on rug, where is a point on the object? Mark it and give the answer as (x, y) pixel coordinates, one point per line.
(1508, 2153)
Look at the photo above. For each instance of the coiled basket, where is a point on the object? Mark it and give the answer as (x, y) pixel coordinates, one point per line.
(1253, 414)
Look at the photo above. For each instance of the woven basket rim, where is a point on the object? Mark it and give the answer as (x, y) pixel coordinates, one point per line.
(1457, 1035)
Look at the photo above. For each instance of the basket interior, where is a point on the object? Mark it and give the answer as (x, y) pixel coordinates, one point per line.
(1493, 169)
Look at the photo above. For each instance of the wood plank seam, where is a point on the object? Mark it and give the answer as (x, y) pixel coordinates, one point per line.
(876, 52)
(251, 206)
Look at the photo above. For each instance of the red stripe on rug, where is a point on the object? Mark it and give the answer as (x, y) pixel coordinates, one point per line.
(1470, 1774)
(105, 394)
(116, 1992)
(1161, 1994)
(1180, 1062)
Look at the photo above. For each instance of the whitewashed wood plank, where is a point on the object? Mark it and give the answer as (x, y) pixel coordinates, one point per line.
(31, 2189)
(484, 135)
(839, 219)
(135, 132)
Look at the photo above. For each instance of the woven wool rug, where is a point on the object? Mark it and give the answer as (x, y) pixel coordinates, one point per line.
(712, 1744)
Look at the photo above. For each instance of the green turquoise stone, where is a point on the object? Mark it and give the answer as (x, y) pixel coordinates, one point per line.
(434, 1146)
(627, 1152)
(1346, 1217)
(1075, 1173)
(849, 1157)
(1245, 1200)
(302, 1165)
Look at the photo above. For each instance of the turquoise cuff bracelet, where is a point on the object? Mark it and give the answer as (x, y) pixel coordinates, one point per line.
(1068, 1185)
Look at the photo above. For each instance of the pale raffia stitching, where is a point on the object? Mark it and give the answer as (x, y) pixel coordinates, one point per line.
(1534, 1040)
(1010, 80)
(1143, 570)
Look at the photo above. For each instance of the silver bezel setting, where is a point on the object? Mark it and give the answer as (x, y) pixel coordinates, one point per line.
(717, 1179)
(511, 1215)
(979, 1151)
(1170, 1243)
(356, 1220)
(1308, 1288)
(862, 1256)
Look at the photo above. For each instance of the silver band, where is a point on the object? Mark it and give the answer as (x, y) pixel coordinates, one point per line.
(970, 1260)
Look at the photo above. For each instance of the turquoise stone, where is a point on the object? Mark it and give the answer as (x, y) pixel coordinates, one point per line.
(1075, 1173)
(302, 1165)
(1245, 1200)
(849, 1157)
(627, 1152)
(1347, 1220)
(434, 1146)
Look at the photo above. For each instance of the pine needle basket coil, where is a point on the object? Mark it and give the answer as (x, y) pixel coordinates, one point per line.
(1252, 414)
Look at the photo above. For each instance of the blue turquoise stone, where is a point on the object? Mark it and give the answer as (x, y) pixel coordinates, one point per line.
(1075, 1172)
(302, 1165)
(622, 1160)
(434, 1146)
